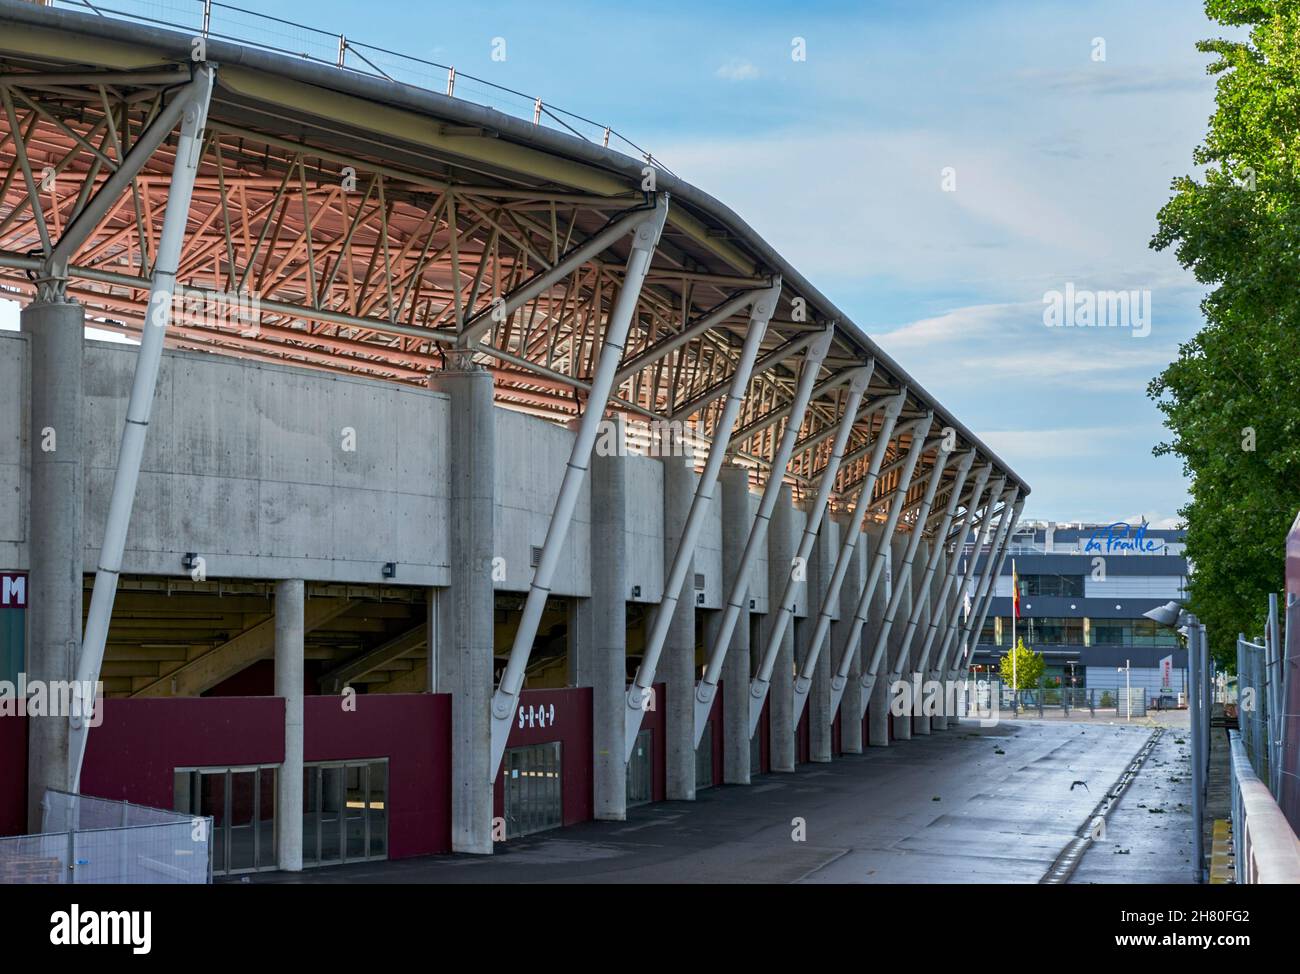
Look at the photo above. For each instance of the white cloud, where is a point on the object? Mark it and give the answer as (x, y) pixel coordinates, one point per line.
(738, 70)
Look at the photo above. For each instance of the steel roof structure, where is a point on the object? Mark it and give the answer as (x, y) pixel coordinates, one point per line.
(384, 230)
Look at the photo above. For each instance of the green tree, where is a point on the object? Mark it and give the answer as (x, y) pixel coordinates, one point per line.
(1232, 399)
(1028, 667)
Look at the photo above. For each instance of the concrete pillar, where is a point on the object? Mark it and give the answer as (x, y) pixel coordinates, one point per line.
(57, 544)
(782, 544)
(921, 721)
(677, 663)
(902, 724)
(466, 613)
(851, 703)
(736, 523)
(878, 711)
(290, 606)
(602, 636)
(821, 563)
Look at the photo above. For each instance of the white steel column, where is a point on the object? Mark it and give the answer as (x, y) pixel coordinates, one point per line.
(645, 237)
(945, 604)
(638, 695)
(867, 678)
(931, 565)
(953, 623)
(708, 685)
(804, 682)
(189, 146)
(759, 687)
(903, 573)
(997, 558)
(952, 644)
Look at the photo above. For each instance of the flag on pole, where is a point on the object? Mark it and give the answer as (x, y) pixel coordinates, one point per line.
(1015, 590)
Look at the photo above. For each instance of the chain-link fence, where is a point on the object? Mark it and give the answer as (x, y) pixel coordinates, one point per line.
(94, 840)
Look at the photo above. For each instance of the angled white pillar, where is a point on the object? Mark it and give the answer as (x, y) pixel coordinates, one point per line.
(898, 662)
(997, 559)
(645, 237)
(189, 146)
(763, 678)
(950, 651)
(918, 431)
(945, 604)
(945, 638)
(813, 357)
(638, 695)
(902, 575)
(804, 682)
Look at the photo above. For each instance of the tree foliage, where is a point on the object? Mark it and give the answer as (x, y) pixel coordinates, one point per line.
(1232, 399)
(1028, 667)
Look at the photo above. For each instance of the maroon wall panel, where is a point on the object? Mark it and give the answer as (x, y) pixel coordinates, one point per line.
(765, 736)
(837, 739)
(133, 755)
(13, 775)
(564, 716)
(411, 730)
(654, 721)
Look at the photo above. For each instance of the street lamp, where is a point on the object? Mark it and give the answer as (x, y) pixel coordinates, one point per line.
(1173, 616)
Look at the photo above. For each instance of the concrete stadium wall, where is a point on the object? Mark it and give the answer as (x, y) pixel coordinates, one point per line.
(245, 464)
(531, 457)
(644, 519)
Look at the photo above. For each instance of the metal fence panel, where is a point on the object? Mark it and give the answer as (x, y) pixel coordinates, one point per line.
(93, 840)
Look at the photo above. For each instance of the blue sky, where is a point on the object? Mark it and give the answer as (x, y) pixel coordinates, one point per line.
(1061, 163)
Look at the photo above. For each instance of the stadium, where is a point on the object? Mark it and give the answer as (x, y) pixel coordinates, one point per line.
(463, 477)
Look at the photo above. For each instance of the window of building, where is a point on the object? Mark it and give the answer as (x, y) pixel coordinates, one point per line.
(1130, 632)
(1064, 586)
(1051, 631)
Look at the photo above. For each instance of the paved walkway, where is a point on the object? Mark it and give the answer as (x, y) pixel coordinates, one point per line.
(1149, 833)
(971, 804)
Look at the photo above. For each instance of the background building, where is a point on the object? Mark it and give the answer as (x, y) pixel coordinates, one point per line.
(1083, 590)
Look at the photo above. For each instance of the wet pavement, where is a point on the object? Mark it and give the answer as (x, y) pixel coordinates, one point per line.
(968, 805)
(1149, 832)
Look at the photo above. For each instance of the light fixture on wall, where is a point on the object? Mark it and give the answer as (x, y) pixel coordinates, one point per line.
(188, 561)
(699, 598)
(390, 569)
(636, 591)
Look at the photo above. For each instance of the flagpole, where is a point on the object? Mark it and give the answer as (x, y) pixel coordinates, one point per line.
(1015, 646)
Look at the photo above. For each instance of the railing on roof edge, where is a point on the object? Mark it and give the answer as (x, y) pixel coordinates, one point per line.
(205, 17)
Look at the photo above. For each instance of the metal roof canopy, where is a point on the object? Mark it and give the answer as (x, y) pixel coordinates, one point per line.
(509, 180)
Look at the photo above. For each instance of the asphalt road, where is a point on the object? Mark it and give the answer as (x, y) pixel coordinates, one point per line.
(968, 805)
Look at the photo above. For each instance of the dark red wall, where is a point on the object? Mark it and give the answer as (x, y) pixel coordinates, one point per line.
(412, 730)
(715, 718)
(13, 775)
(653, 720)
(837, 738)
(572, 728)
(765, 736)
(133, 755)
